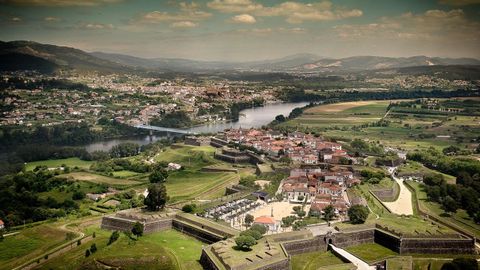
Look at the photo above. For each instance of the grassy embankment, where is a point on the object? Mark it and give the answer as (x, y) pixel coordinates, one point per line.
(459, 218)
(29, 243)
(162, 250)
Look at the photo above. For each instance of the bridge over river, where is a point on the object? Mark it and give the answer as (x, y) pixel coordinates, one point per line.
(164, 129)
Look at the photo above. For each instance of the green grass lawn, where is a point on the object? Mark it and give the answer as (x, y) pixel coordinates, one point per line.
(99, 179)
(61, 194)
(190, 157)
(29, 243)
(429, 264)
(125, 174)
(371, 252)
(185, 185)
(166, 250)
(314, 260)
(399, 263)
(55, 163)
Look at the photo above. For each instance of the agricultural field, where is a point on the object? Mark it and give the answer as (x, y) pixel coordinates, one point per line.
(162, 250)
(29, 243)
(188, 185)
(341, 114)
(314, 260)
(413, 127)
(56, 163)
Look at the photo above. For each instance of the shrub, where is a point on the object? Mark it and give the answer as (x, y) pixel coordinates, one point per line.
(137, 229)
(93, 248)
(358, 214)
(245, 242)
(113, 237)
(189, 208)
(259, 228)
(253, 233)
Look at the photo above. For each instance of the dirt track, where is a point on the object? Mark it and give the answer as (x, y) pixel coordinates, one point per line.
(403, 204)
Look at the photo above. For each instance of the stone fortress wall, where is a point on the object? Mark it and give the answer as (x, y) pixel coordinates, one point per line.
(292, 243)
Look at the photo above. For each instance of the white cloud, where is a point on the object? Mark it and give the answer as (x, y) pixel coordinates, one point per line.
(459, 3)
(51, 19)
(95, 26)
(59, 3)
(431, 25)
(159, 16)
(244, 18)
(184, 24)
(234, 6)
(294, 12)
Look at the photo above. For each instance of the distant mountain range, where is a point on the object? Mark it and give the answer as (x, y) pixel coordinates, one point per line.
(27, 55)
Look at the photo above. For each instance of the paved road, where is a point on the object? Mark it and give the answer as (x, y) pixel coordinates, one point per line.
(361, 265)
(403, 204)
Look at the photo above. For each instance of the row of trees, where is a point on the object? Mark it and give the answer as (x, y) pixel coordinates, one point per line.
(436, 160)
(463, 195)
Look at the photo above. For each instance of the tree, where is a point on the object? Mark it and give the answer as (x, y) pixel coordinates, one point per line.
(249, 220)
(450, 266)
(245, 242)
(93, 248)
(189, 208)
(113, 237)
(280, 118)
(450, 150)
(78, 195)
(449, 205)
(288, 221)
(158, 176)
(466, 263)
(260, 228)
(157, 197)
(358, 214)
(328, 213)
(79, 242)
(87, 253)
(137, 229)
(301, 213)
(253, 233)
(299, 224)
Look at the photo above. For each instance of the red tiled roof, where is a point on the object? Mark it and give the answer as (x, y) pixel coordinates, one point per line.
(264, 220)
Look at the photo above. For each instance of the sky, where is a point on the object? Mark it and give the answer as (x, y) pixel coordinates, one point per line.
(246, 30)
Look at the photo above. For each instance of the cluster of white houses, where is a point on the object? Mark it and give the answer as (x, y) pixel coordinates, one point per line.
(299, 147)
(319, 188)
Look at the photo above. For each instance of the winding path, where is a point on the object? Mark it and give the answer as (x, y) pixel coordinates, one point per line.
(403, 205)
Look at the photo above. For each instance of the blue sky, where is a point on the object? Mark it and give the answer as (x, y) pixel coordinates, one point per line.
(244, 30)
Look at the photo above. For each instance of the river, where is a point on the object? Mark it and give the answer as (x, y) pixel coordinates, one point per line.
(253, 117)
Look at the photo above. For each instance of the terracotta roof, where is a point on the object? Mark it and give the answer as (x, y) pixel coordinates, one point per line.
(264, 220)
